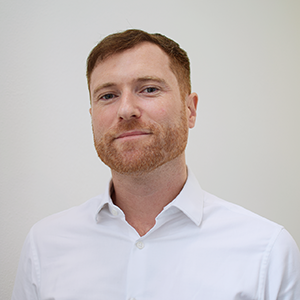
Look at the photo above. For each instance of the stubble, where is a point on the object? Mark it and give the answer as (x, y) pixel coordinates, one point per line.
(162, 144)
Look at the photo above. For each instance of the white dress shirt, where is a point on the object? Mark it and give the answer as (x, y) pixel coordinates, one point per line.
(201, 247)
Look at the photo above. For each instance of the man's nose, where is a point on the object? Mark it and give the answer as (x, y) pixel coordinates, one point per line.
(129, 106)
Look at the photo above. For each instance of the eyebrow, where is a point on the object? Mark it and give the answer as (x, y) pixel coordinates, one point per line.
(152, 78)
(103, 86)
(138, 80)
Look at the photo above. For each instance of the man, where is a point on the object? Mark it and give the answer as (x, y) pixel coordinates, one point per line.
(154, 233)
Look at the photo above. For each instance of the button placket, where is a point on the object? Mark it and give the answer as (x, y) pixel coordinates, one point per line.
(136, 266)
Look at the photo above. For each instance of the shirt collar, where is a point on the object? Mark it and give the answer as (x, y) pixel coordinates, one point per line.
(190, 200)
(105, 200)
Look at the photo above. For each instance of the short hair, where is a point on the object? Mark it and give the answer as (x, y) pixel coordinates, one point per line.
(119, 42)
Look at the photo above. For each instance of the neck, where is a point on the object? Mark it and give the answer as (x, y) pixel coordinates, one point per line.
(143, 197)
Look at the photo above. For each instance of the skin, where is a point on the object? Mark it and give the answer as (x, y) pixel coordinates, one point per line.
(138, 86)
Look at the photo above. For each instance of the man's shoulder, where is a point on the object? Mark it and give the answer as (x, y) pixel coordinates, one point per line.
(237, 217)
(77, 216)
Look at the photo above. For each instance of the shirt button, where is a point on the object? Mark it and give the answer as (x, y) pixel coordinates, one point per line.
(114, 212)
(140, 245)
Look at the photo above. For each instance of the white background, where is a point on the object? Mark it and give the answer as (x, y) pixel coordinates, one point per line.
(245, 58)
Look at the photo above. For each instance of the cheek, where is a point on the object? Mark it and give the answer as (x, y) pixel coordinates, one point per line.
(160, 115)
(103, 118)
(101, 122)
(162, 112)
(166, 117)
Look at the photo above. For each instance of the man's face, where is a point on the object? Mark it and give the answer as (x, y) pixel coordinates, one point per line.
(139, 119)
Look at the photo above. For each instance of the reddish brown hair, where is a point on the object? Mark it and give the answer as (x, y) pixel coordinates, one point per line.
(118, 42)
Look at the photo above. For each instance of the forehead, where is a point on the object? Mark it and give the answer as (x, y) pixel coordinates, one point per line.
(145, 59)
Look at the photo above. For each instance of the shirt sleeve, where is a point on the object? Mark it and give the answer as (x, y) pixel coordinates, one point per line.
(282, 275)
(27, 278)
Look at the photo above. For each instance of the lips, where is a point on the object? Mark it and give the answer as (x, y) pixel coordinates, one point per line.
(132, 133)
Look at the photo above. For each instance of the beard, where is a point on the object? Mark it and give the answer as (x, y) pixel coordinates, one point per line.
(138, 156)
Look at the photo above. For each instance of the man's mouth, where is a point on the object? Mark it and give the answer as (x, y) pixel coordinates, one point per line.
(132, 133)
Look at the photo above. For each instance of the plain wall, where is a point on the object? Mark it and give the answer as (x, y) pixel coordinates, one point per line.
(245, 67)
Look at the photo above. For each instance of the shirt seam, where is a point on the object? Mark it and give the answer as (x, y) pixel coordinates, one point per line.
(264, 264)
(35, 261)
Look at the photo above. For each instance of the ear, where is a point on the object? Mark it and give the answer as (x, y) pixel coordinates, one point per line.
(90, 110)
(191, 103)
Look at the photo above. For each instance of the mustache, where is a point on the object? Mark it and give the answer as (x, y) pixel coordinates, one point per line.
(132, 124)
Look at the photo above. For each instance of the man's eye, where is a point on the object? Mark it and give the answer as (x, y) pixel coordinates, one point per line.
(150, 89)
(107, 97)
